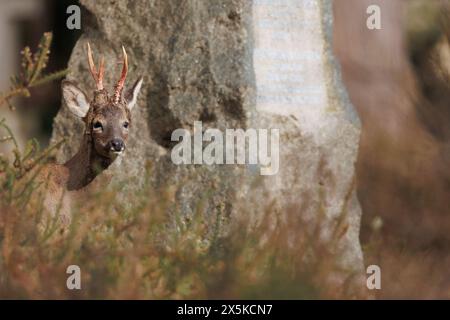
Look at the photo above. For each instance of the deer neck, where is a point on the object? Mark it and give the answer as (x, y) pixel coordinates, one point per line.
(85, 165)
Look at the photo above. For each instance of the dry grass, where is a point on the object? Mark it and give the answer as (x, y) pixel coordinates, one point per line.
(139, 251)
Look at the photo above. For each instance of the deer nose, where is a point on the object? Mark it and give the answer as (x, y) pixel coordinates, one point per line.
(117, 145)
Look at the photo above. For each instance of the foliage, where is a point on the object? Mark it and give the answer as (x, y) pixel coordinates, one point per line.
(33, 66)
(135, 251)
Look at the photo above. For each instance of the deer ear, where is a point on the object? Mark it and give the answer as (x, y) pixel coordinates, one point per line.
(131, 95)
(75, 99)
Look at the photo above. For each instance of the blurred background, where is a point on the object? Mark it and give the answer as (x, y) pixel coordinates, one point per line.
(398, 80)
(22, 23)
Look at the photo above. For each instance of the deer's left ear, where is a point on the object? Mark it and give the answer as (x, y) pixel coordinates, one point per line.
(131, 94)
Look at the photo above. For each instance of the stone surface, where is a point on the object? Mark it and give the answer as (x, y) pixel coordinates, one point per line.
(299, 91)
(233, 64)
(196, 62)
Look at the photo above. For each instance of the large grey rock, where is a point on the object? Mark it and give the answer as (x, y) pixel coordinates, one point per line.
(196, 60)
(299, 91)
(234, 64)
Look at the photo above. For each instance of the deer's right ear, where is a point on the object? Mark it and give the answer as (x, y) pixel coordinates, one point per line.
(131, 94)
(75, 99)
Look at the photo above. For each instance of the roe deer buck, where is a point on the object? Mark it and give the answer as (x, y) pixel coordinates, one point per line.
(107, 120)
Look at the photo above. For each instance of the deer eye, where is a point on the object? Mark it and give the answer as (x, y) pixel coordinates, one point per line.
(97, 125)
(126, 125)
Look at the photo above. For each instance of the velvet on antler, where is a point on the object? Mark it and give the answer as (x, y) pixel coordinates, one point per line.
(98, 76)
(118, 88)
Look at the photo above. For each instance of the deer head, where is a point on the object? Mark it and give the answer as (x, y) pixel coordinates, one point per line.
(107, 117)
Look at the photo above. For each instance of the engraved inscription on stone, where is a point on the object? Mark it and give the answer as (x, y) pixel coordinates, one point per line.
(288, 59)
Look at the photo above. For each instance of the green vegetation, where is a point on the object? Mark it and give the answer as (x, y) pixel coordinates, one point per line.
(31, 76)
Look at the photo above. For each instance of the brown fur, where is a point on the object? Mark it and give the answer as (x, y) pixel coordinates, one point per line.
(107, 123)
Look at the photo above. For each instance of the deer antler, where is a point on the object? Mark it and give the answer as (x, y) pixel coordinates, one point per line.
(98, 77)
(119, 86)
